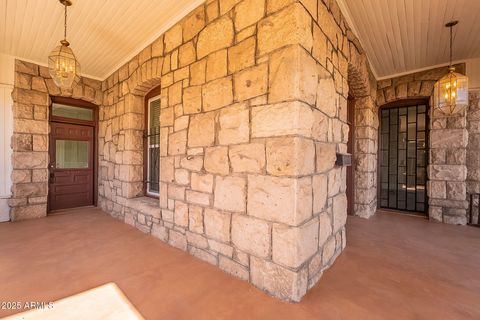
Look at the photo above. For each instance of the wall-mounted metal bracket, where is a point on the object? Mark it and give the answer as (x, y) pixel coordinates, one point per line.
(344, 159)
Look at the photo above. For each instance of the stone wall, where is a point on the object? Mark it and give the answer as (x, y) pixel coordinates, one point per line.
(473, 149)
(31, 100)
(253, 111)
(447, 170)
(365, 155)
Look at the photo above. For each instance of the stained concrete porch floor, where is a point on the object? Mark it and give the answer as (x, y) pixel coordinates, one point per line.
(394, 267)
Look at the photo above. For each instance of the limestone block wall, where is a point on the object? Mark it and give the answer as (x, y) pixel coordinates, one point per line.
(473, 148)
(448, 143)
(33, 88)
(365, 156)
(253, 110)
(447, 169)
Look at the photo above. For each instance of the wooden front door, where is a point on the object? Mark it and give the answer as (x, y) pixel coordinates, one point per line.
(350, 149)
(71, 169)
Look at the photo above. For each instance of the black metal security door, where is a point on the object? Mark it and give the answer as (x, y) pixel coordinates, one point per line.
(403, 158)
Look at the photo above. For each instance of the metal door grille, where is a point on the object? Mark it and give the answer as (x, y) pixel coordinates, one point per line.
(403, 158)
(153, 175)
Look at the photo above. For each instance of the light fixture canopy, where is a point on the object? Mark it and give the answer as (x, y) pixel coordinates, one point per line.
(62, 63)
(451, 91)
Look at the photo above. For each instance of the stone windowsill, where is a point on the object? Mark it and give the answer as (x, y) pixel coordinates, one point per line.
(147, 206)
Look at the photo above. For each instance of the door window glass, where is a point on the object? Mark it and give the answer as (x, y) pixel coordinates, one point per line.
(71, 154)
(64, 111)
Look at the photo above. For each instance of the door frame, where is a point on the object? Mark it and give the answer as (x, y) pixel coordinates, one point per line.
(94, 123)
(351, 169)
(399, 104)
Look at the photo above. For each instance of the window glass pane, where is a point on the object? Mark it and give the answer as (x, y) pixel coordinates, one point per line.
(412, 131)
(393, 166)
(421, 157)
(153, 169)
(402, 192)
(384, 174)
(384, 125)
(421, 140)
(392, 185)
(384, 141)
(154, 122)
(410, 200)
(71, 154)
(411, 183)
(393, 152)
(403, 124)
(392, 199)
(384, 157)
(412, 114)
(393, 133)
(421, 121)
(402, 141)
(411, 166)
(411, 149)
(64, 111)
(402, 175)
(420, 194)
(394, 116)
(384, 191)
(402, 158)
(421, 175)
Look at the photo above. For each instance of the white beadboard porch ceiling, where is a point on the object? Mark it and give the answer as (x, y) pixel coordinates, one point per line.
(103, 33)
(401, 36)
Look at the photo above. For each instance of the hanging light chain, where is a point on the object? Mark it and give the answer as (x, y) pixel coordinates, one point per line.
(451, 43)
(65, 24)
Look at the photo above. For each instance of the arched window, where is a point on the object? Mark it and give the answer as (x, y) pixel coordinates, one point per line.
(152, 143)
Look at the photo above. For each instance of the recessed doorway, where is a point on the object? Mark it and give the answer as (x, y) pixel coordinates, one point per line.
(72, 150)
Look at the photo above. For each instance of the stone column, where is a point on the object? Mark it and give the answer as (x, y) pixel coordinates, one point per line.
(366, 137)
(29, 143)
(473, 150)
(447, 170)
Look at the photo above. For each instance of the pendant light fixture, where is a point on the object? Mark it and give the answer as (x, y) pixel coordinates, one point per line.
(62, 64)
(451, 91)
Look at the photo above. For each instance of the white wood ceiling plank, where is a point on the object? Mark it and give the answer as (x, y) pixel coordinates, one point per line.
(469, 27)
(379, 33)
(410, 35)
(399, 29)
(398, 35)
(360, 9)
(414, 32)
(391, 43)
(52, 33)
